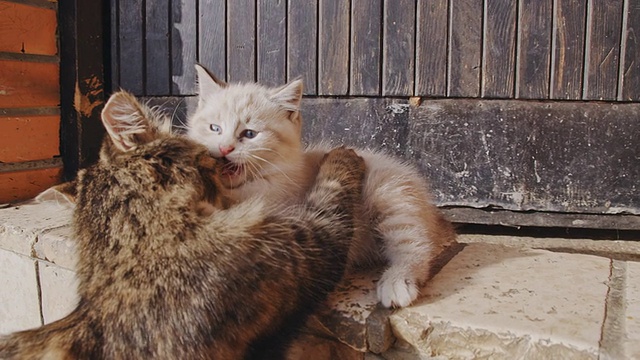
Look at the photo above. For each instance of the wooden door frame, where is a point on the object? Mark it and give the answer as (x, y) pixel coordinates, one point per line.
(82, 28)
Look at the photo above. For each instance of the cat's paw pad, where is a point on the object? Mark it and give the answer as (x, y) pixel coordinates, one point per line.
(396, 290)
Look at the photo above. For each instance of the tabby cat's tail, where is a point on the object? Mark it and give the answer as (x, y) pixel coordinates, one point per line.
(65, 339)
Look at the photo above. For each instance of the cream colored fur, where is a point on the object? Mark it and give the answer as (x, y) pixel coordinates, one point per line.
(400, 227)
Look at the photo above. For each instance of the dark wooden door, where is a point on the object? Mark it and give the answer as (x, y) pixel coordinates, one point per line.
(519, 112)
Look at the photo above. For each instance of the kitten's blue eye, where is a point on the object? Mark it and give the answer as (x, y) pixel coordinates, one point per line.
(215, 128)
(248, 133)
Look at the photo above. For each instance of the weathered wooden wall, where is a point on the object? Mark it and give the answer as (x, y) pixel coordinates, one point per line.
(505, 49)
(526, 105)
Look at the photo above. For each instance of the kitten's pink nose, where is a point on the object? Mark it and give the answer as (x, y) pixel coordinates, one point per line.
(224, 150)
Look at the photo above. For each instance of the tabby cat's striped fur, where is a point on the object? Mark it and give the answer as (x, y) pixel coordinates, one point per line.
(167, 272)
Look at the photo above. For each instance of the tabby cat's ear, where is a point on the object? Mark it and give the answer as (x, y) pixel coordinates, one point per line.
(289, 95)
(126, 121)
(207, 83)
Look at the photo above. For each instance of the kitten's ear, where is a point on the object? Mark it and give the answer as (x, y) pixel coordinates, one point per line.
(127, 121)
(289, 95)
(207, 82)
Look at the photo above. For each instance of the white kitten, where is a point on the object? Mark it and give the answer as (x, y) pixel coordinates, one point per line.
(257, 130)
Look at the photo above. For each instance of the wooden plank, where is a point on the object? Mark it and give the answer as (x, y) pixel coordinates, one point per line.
(333, 47)
(398, 47)
(184, 47)
(302, 43)
(241, 40)
(212, 36)
(498, 64)
(517, 155)
(465, 48)
(23, 185)
(366, 33)
(272, 42)
(375, 123)
(603, 49)
(568, 49)
(29, 138)
(131, 36)
(631, 68)
(82, 93)
(27, 29)
(157, 66)
(27, 84)
(465, 215)
(534, 55)
(431, 48)
(113, 81)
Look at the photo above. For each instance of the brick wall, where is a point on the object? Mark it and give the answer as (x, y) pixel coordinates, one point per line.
(29, 99)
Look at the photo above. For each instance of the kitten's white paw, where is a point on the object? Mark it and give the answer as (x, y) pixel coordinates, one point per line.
(396, 289)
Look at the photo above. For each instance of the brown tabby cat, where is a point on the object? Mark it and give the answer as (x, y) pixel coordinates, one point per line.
(165, 272)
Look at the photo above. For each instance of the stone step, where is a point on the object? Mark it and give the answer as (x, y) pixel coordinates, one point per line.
(497, 298)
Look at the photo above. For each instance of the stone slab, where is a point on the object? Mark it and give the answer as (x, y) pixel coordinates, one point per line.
(19, 304)
(498, 302)
(632, 311)
(21, 224)
(59, 291)
(57, 246)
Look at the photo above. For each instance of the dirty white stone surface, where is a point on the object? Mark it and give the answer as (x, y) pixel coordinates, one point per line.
(19, 306)
(59, 291)
(56, 246)
(21, 225)
(632, 308)
(498, 302)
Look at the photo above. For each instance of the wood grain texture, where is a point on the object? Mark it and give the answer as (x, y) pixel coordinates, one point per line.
(184, 47)
(333, 47)
(603, 44)
(465, 48)
(302, 43)
(158, 70)
(568, 49)
(375, 123)
(631, 66)
(528, 155)
(241, 40)
(431, 48)
(212, 36)
(272, 42)
(131, 41)
(398, 47)
(29, 138)
(534, 55)
(27, 30)
(366, 35)
(498, 72)
(112, 80)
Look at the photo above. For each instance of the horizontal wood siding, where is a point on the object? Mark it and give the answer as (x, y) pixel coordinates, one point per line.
(562, 49)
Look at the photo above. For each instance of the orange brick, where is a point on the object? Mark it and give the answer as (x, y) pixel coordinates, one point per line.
(27, 29)
(29, 138)
(23, 185)
(28, 84)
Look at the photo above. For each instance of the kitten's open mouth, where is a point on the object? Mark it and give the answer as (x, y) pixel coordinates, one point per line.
(230, 169)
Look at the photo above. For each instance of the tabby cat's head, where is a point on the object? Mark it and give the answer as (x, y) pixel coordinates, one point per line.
(251, 127)
(141, 157)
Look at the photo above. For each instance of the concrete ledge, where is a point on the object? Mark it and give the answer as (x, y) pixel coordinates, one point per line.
(498, 298)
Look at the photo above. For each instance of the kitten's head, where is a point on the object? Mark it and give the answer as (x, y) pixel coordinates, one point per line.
(253, 128)
(140, 157)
